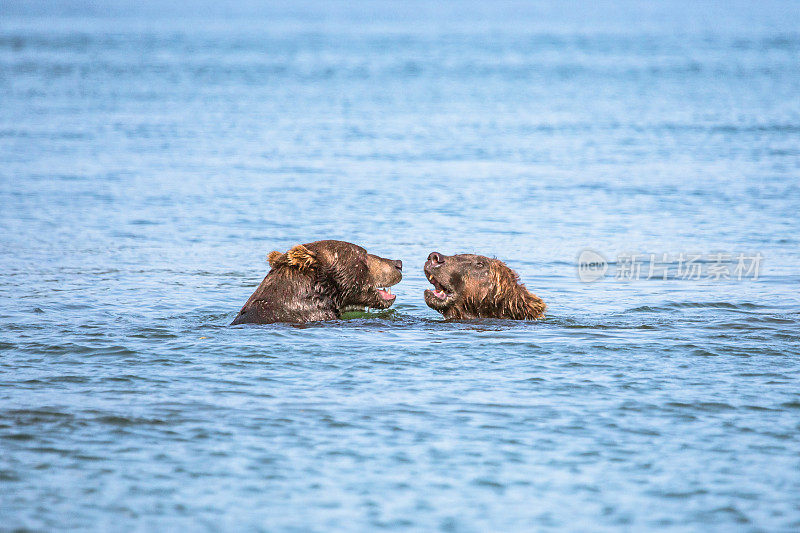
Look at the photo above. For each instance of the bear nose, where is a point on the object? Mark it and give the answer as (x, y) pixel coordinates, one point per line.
(436, 257)
(398, 265)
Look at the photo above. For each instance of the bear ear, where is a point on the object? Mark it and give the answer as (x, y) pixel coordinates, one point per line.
(277, 259)
(301, 257)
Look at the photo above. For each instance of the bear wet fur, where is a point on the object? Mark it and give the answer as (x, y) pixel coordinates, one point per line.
(469, 286)
(316, 281)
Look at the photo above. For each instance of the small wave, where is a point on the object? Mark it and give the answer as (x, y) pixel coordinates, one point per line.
(670, 306)
(125, 421)
(37, 414)
(19, 436)
(489, 484)
(68, 379)
(712, 407)
(680, 495)
(8, 475)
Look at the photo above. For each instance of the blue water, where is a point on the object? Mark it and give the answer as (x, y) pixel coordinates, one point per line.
(151, 157)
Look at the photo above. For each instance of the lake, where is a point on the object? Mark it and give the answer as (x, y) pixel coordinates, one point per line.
(151, 158)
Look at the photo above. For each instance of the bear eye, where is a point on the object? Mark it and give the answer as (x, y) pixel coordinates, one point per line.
(480, 264)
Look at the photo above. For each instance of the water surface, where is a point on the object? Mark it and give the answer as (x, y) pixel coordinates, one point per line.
(151, 157)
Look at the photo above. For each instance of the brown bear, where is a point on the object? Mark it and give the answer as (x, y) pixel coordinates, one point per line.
(316, 281)
(473, 286)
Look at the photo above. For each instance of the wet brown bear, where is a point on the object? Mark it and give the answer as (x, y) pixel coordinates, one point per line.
(316, 281)
(474, 286)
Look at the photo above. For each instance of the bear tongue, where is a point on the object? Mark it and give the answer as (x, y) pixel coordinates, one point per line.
(386, 294)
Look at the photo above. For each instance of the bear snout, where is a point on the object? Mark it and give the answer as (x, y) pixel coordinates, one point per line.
(435, 260)
(384, 272)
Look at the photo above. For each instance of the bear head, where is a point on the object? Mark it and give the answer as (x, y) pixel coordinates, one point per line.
(344, 272)
(475, 286)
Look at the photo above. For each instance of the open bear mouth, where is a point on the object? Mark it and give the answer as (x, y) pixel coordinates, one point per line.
(386, 294)
(439, 291)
